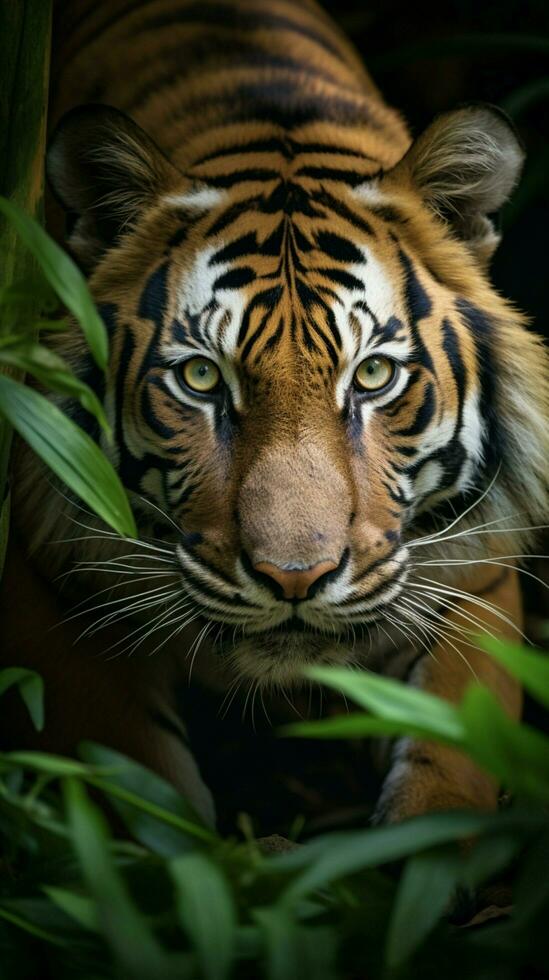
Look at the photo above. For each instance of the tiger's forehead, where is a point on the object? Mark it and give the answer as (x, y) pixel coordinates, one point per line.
(215, 312)
(309, 279)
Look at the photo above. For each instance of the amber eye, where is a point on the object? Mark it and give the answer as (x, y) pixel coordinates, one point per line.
(199, 374)
(374, 373)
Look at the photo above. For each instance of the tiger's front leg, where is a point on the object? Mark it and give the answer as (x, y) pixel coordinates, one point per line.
(425, 776)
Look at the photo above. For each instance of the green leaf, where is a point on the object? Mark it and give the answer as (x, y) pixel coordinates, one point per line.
(206, 911)
(121, 923)
(151, 808)
(430, 880)
(426, 887)
(79, 907)
(351, 726)
(30, 296)
(294, 951)
(281, 936)
(53, 373)
(46, 762)
(396, 703)
(31, 689)
(36, 931)
(64, 277)
(531, 669)
(69, 452)
(515, 753)
(492, 853)
(334, 856)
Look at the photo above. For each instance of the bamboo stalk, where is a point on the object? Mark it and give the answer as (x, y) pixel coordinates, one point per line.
(25, 32)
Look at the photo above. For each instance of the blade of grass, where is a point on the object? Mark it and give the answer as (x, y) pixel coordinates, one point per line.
(128, 933)
(334, 856)
(69, 452)
(31, 689)
(79, 907)
(395, 702)
(133, 799)
(64, 277)
(426, 887)
(515, 753)
(530, 668)
(53, 373)
(206, 911)
(152, 809)
(357, 725)
(35, 931)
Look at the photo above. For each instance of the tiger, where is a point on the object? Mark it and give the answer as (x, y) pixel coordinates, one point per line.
(331, 427)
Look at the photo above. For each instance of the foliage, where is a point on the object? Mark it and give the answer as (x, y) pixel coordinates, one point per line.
(72, 455)
(168, 897)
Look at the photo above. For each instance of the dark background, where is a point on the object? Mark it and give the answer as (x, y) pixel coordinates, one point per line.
(427, 58)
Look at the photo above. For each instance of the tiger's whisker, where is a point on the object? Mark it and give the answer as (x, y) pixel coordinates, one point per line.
(487, 561)
(443, 635)
(467, 597)
(476, 533)
(154, 624)
(464, 513)
(158, 590)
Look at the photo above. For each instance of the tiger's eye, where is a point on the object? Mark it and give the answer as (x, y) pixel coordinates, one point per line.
(374, 373)
(200, 375)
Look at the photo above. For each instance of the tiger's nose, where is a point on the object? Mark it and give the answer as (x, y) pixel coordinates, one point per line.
(295, 583)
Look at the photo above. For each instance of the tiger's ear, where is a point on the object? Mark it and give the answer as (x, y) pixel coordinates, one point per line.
(104, 170)
(465, 166)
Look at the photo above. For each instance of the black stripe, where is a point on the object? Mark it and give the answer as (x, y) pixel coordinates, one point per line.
(153, 300)
(388, 213)
(423, 416)
(236, 18)
(351, 177)
(389, 330)
(240, 176)
(232, 213)
(285, 104)
(248, 346)
(327, 343)
(268, 298)
(157, 424)
(272, 342)
(235, 278)
(485, 339)
(418, 305)
(330, 148)
(338, 207)
(103, 27)
(287, 147)
(272, 145)
(245, 245)
(166, 724)
(451, 347)
(342, 277)
(212, 51)
(339, 248)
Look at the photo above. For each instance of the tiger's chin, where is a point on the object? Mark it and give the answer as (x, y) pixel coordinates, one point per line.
(278, 659)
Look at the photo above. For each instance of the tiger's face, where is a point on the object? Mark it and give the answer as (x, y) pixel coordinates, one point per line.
(301, 368)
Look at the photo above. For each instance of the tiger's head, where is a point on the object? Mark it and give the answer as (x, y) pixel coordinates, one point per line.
(307, 358)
